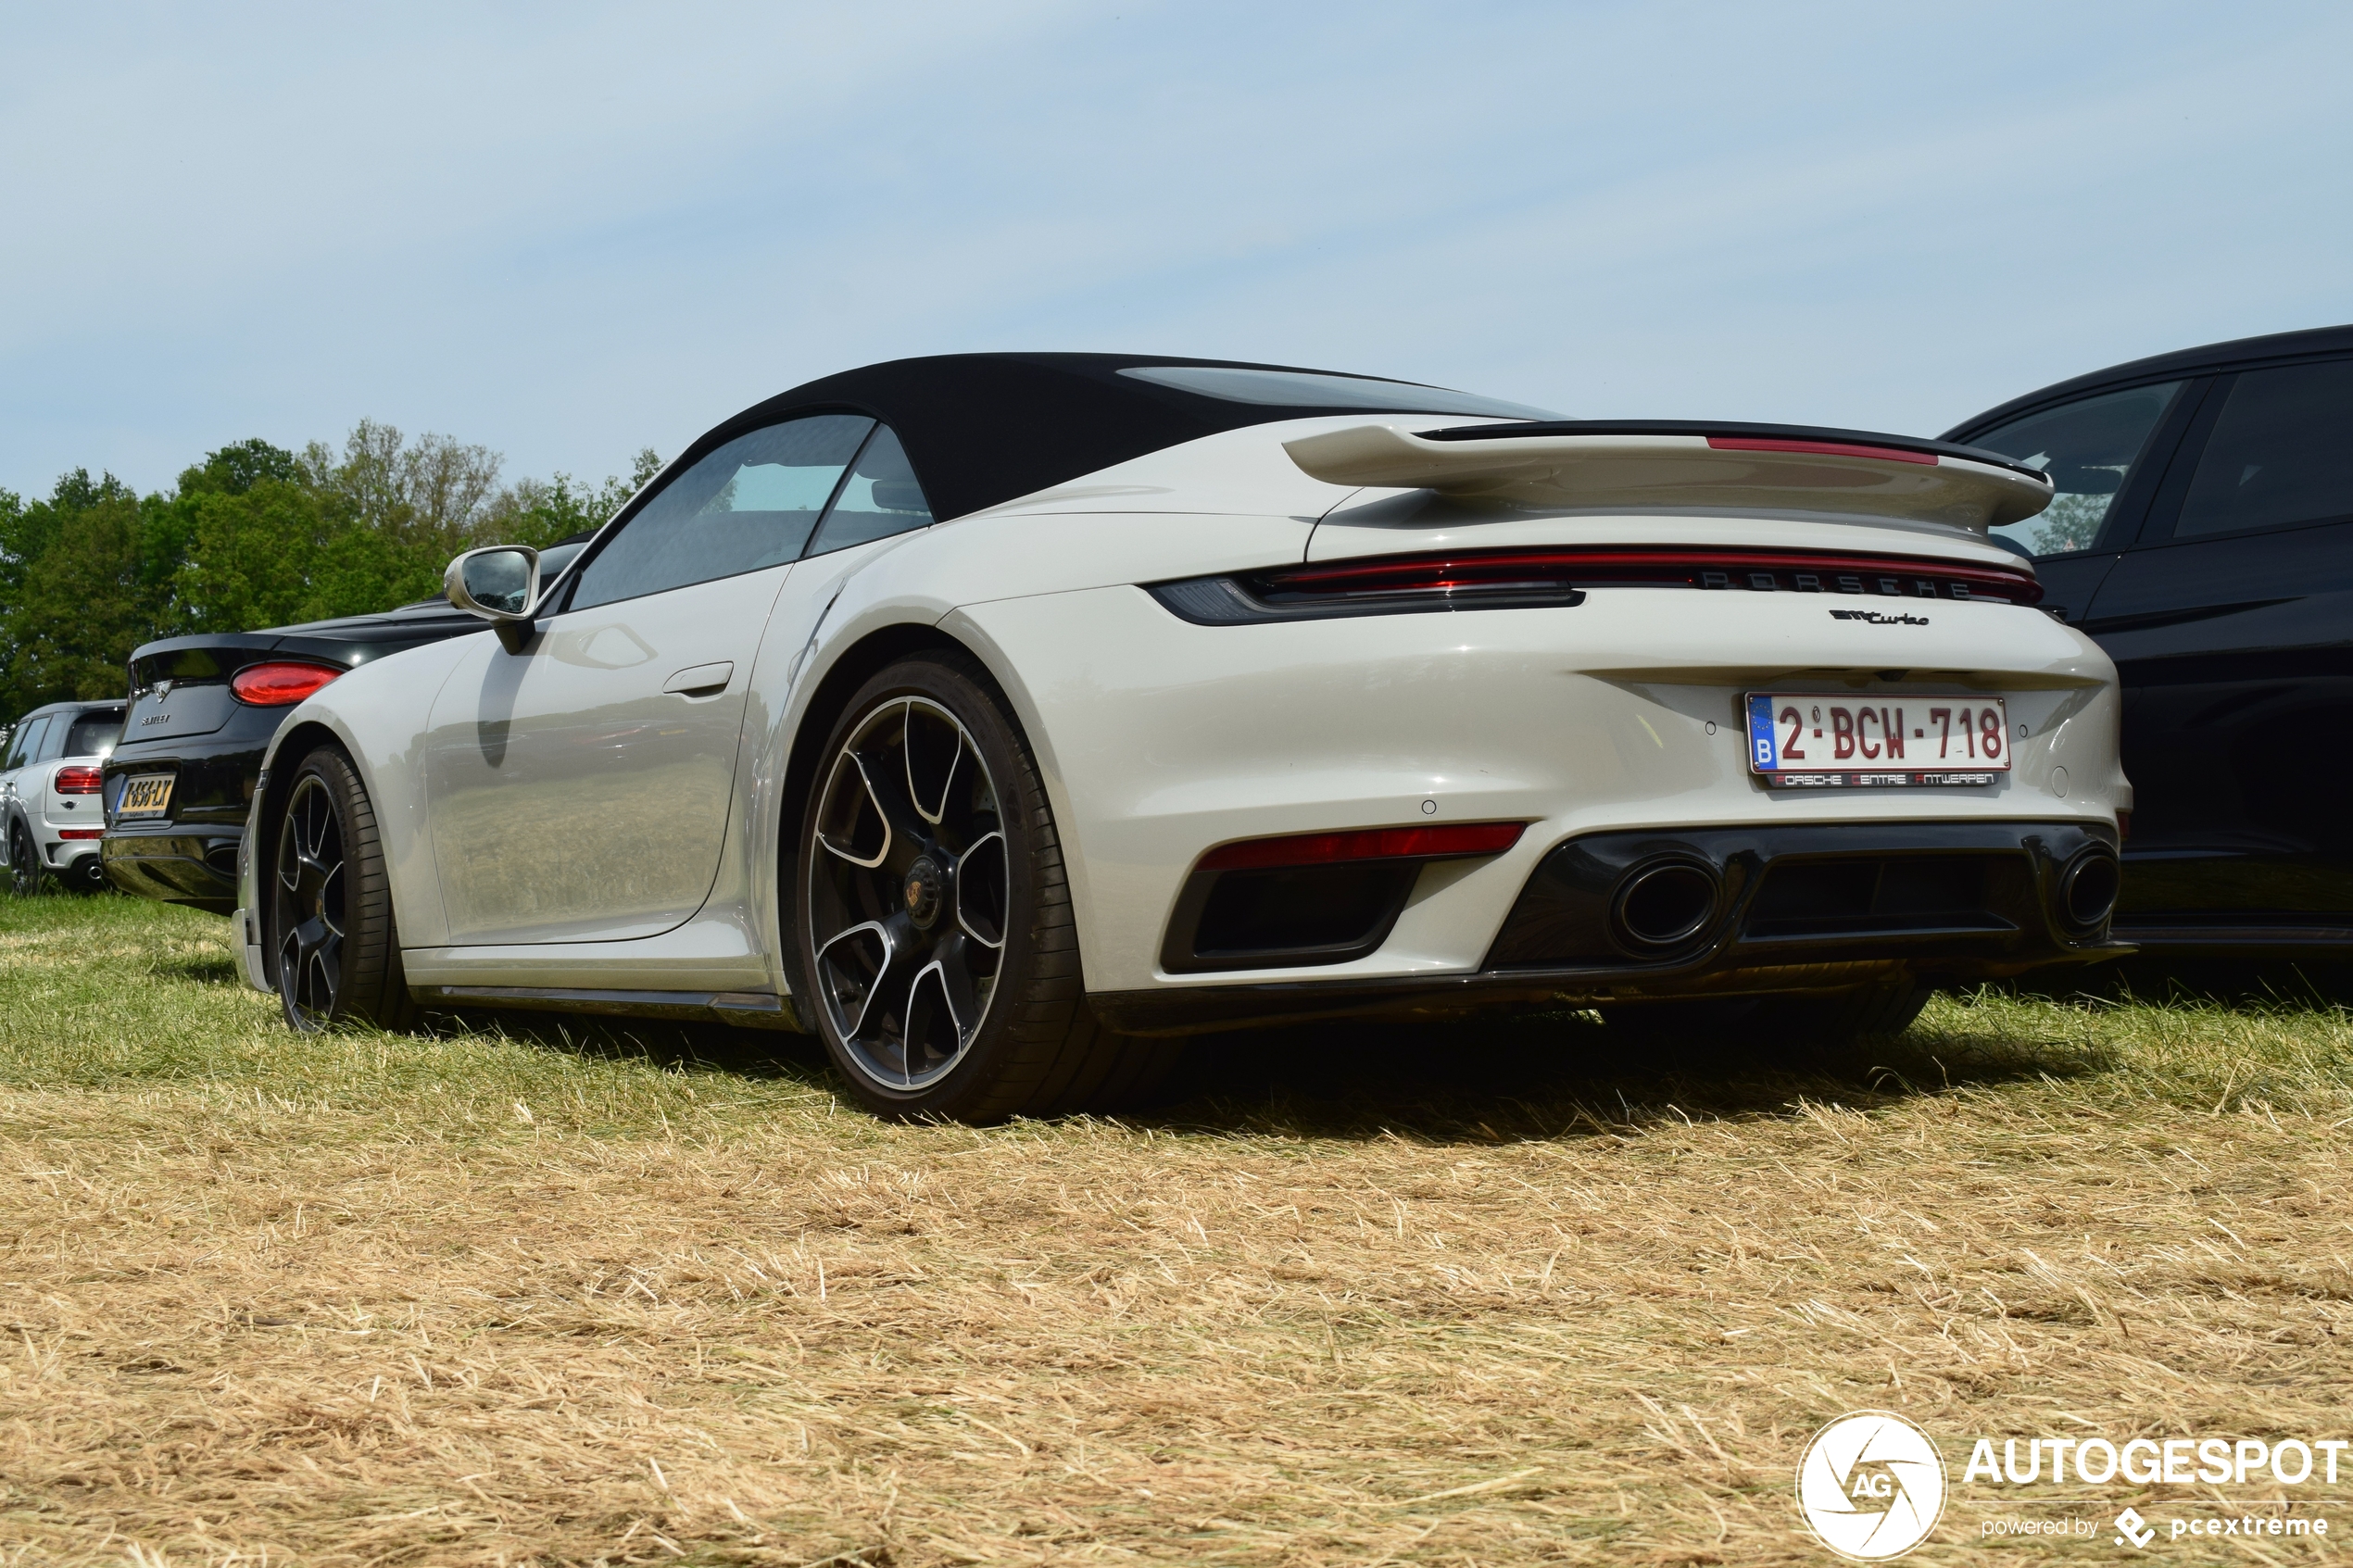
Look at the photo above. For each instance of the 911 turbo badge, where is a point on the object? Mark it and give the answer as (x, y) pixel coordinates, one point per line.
(1876, 619)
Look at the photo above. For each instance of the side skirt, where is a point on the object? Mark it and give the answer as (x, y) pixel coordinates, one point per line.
(748, 1010)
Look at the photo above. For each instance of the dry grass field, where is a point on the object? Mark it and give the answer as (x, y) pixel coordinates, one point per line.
(1488, 1294)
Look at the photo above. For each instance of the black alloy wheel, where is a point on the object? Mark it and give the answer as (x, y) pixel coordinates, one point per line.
(333, 948)
(934, 931)
(26, 873)
(909, 892)
(309, 889)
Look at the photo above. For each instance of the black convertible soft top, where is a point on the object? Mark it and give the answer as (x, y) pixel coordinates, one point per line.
(981, 428)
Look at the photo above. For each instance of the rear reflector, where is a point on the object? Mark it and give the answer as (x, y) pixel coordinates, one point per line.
(1827, 448)
(1454, 841)
(77, 780)
(79, 833)
(280, 683)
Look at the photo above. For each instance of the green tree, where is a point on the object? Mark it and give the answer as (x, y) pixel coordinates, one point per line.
(84, 601)
(276, 554)
(432, 495)
(254, 536)
(538, 512)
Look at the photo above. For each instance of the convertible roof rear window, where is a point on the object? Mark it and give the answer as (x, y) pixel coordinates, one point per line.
(1298, 389)
(983, 429)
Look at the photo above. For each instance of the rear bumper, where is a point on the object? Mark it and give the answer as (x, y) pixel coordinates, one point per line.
(77, 865)
(2327, 938)
(191, 857)
(180, 865)
(1795, 907)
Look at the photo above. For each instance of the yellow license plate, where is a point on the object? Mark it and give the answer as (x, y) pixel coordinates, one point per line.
(146, 795)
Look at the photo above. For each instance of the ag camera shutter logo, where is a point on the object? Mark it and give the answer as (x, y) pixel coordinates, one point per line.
(1871, 1485)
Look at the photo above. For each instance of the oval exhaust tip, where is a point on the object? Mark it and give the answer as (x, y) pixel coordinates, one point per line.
(1665, 904)
(2088, 889)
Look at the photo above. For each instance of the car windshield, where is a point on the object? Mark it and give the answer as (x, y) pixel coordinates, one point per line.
(2088, 448)
(95, 734)
(1307, 389)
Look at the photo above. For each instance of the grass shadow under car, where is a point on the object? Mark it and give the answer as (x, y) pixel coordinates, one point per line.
(1480, 1080)
(1549, 1075)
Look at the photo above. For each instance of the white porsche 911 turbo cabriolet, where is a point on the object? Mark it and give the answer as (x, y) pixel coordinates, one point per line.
(1004, 717)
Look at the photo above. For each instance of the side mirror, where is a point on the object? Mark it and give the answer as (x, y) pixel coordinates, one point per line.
(500, 584)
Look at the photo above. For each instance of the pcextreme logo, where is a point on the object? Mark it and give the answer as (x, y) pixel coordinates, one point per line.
(1871, 1485)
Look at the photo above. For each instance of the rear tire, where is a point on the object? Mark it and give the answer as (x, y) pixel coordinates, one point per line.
(895, 906)
(330, 927)
(27, 876)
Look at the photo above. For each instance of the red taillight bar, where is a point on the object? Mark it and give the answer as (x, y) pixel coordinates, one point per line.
(279, 683)
(77, 780)
(1453, 841)
(1400, 575)
(1434, 572)
(79, 833)
(1827, 448)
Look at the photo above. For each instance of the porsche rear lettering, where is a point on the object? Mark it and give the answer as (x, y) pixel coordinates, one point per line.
(1840, 582)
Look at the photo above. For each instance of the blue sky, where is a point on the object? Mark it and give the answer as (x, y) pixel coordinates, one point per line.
(570, 231)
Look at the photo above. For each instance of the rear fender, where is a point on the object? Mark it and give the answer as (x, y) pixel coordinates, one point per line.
(377, 714)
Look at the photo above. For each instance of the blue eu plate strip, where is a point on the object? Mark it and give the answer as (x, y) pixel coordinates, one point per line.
(1762, 752)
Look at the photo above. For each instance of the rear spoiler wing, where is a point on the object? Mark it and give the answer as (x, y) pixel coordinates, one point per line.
(1647, 465)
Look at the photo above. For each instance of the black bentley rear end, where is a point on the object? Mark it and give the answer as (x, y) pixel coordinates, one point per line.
(202, 711)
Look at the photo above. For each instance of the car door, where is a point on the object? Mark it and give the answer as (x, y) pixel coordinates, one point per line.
(2230, 622)
(2106, 456)
(22, 747)
(579, 790)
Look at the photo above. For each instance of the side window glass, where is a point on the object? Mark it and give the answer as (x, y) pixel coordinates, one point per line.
(749, 505)
(2281, 452)
(28, 735)
(2089, 448)
(53, 739)
(881, 498)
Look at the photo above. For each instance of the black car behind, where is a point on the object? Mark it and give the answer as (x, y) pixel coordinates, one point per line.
(202, 711)
(2203, 535)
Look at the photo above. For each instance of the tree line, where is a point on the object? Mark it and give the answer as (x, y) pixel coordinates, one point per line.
(255, 537)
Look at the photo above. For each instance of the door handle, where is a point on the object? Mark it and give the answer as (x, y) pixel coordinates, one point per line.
(701, 680)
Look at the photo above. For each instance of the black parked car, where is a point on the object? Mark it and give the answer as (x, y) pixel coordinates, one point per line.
(2203, 535)
(202, 711)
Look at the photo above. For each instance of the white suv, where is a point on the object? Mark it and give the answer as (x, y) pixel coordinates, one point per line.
(49, 794)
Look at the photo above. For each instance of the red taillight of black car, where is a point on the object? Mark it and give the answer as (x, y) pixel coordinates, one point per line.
(280, 682)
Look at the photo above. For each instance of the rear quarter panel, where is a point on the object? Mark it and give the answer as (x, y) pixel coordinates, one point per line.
(378, 714)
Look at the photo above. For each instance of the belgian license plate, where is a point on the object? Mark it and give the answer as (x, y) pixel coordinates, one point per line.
(1812, 740)
(149, 795)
